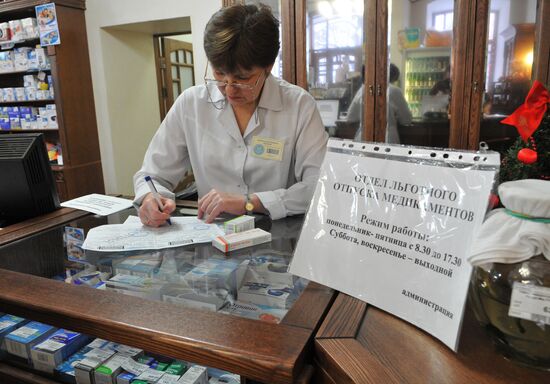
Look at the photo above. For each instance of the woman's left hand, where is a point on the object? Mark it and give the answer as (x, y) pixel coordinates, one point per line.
(215, 202)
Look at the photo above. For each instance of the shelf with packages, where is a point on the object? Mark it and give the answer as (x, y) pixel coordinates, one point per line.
(53, 86)
(192, 304)
(9, 44)
(424, 68)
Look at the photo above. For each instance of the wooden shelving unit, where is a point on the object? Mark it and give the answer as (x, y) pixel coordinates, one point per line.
(81, 171)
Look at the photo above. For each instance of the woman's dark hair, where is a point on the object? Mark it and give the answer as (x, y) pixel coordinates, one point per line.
(394, 73)
(242, 36)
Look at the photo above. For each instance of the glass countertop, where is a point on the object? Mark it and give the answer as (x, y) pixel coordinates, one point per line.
(251, 282)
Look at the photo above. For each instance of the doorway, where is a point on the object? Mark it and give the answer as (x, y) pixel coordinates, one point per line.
(174, 61)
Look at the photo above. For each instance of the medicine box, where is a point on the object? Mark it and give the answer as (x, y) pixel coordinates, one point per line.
(176, 368)
(240, 240)
(255, 312)
(8, 323)
(5, 32)
(84, 370)
(239, 224)
(134, 367)
(265, 294)
(20, 341)
(125, 378)
(65, 370)
(267, 269)
(168, 378)
(150, 375)
(107, 372)
(21, 58)
(211, 300)
(213, 273)
(196, 374)
(56, 348)
(144, 287)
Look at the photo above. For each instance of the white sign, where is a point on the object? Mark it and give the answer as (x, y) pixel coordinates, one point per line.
(392, 226)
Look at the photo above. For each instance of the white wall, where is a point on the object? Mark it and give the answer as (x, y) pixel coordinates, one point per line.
(124, 79)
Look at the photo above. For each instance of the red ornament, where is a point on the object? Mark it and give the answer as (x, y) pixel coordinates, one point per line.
(493, 200)
(527, 156)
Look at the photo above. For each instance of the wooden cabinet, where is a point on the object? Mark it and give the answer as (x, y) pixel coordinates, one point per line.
(80, 172)
(477, 54)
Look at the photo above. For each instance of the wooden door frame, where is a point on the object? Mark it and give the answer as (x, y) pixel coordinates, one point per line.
(381, 77)
(475, 85)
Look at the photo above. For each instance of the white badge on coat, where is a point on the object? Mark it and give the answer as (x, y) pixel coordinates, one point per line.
(267, 148)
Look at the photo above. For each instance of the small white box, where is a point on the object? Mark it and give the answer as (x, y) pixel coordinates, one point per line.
(240, 240)
(269, 269)
(20, 341)
(168, 378)
(239, 224)
(84, 370)
(5, 32)
(195, 375)
(21, 58)
(150, 375)
(211, 300)
(107, 372)
(265, 294)
(30, 29)
(16, 28)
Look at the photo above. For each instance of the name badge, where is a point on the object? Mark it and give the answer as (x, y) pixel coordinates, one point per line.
(267, 148)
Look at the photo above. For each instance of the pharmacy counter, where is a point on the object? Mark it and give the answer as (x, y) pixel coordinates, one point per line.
(358, 343)
(276, 349)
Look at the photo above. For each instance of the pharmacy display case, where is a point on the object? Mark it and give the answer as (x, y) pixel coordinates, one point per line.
(205, 327)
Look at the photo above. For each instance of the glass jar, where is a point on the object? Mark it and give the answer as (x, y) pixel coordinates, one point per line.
(522, 340)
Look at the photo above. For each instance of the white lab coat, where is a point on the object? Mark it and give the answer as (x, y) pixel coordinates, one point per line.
(195, 135)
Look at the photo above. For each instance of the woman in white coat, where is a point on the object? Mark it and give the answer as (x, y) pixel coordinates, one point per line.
(254, 142)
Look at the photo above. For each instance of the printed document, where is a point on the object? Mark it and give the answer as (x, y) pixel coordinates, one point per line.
(132, 235)
(102, 205)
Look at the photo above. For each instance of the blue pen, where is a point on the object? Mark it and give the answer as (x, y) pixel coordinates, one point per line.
(156, 195)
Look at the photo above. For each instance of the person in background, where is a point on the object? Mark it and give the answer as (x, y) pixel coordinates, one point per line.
(443, 86)
(398, 111)
(254, 142)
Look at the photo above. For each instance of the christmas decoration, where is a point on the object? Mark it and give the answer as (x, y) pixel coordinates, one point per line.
(529, 115)
(529, 156)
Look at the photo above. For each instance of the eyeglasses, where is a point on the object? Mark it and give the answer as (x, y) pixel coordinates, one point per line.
(236, 85)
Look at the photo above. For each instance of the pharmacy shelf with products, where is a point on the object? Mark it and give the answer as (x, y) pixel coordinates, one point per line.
(27, 98)
(239, 311)
(48, 89)
(424, 67)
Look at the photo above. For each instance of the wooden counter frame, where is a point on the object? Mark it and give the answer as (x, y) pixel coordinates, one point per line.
(359, 343)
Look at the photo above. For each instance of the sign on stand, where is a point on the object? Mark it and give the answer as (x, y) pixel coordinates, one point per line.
(391, 225)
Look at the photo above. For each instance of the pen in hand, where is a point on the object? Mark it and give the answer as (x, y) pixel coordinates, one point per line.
(156, 195)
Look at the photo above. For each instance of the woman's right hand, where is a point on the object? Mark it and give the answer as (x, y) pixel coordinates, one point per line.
(149, 211)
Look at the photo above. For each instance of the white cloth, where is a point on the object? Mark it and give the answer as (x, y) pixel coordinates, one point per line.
(196, 135)
(504, 238)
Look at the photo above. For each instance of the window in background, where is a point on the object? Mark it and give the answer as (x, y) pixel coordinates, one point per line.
(419, 90)
(334, 56)
(508, 71)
